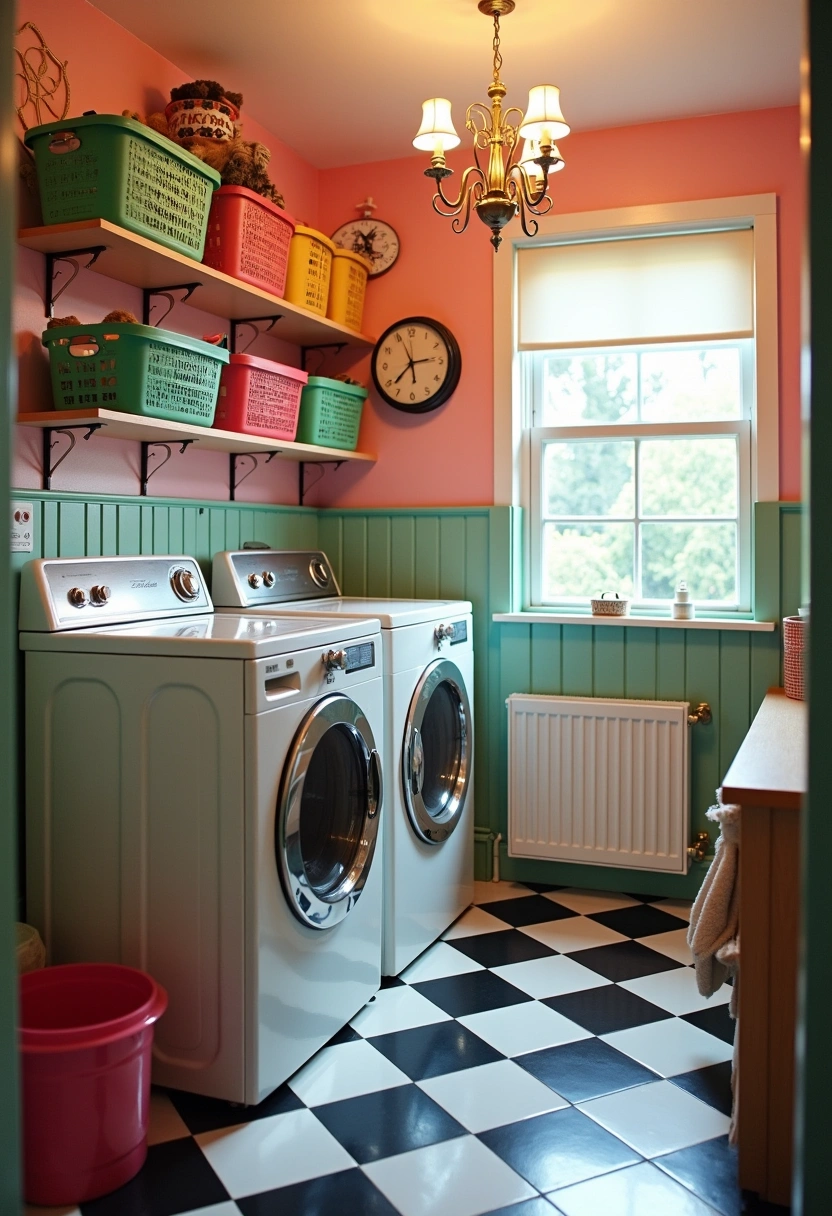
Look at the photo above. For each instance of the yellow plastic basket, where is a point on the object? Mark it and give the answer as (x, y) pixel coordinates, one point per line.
(310, 267)
(350, 272)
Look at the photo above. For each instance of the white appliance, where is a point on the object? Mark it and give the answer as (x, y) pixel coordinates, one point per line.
(428, 821)
(202, 802)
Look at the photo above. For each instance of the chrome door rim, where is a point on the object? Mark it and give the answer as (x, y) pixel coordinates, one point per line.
(313, 909)
(434, 829)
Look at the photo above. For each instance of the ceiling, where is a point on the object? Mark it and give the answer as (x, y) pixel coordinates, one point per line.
(343, 82)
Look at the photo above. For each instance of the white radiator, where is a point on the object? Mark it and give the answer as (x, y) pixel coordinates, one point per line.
(599, 781)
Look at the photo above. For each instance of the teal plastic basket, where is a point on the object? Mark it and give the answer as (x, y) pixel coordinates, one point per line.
(330, 413)
(135, 368)
(103, 166)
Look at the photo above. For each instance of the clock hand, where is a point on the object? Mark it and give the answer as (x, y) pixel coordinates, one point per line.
(398, 378)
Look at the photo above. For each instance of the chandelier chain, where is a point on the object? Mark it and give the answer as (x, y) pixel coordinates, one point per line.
(498, 59)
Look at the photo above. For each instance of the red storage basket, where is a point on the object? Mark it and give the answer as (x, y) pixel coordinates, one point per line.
(248, 238)
(260, 397)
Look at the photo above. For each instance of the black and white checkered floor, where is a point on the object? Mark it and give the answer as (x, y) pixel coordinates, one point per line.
(550, 1055)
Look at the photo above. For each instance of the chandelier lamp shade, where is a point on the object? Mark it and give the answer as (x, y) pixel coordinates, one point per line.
(515, 180)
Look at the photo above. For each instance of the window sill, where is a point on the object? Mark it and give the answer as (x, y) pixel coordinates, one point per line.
(532, 617)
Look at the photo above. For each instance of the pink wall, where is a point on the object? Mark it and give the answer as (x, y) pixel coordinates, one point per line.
(446, 457)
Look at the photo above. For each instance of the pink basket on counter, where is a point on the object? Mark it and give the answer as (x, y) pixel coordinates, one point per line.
(259, 397)
(248, 238)
(793, 648)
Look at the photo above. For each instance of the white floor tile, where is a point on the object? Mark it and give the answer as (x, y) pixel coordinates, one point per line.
(518, 1029)
(399, 1008)
(574, 933)
(488, 892)
(674, 944)
(165, 1121)
(475, 920)
(439, 961)
(670, 1047)
(676, 991)
(635, 1191)
(274, 1152)
(590, 902)
(459, 1177)
(216, 1209)
(657, 1118)
(492, 1095)
(345, 1071)
(676, 907)
(553, 976)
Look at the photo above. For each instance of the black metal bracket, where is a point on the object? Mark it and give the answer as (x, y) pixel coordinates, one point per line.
(233, 482)
(48, 468)
(302, 487)
(149, 292)
(70, 255)
(146, 473)
(336, 346)
(252, 323)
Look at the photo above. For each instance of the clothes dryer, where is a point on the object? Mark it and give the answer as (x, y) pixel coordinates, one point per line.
(203, 800)
(428, 748)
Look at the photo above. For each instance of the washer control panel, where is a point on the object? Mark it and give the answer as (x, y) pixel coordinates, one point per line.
(252, 578)
(351, 658)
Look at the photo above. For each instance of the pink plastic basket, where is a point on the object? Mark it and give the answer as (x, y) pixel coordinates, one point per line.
(248, 237)
(259, 397)
(793, 627)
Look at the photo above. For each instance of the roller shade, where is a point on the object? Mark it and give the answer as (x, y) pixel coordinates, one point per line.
(650, 289)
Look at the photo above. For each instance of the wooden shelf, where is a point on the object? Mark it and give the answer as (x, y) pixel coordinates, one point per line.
(142, 263)
(116, 425)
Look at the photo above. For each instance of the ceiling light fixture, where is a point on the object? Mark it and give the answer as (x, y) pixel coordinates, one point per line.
(508, 186)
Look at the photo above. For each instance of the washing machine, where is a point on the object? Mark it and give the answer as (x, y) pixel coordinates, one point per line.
(203, 800)
(428, 831)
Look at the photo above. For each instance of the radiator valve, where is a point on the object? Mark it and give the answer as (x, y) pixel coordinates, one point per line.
(698, 849)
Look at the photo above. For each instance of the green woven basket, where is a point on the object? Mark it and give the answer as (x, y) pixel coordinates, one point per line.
(135, 368)
(102, 166)
(330, 413)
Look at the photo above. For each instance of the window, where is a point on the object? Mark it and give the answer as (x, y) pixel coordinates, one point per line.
(642, 403)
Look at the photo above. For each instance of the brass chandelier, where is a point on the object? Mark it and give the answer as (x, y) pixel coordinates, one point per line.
(512, 184)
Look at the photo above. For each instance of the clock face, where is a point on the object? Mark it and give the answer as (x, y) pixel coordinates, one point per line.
(375, 239)
(416, 365)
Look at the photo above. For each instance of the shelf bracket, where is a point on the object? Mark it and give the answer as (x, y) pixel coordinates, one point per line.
(337, 347)
(50, 296)
(234, 482)
(302, 486)
(146, 473)
(48, 467)
(149, 292)
(251, 322)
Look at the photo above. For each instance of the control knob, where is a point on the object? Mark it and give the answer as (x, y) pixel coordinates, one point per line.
(319, 572)
(100, 595)
(255, 581)
(335, 659)
(77, 597)
(185, 584)
(268, 578)
(443, 633)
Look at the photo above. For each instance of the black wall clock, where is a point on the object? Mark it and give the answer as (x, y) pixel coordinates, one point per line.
(416, 365)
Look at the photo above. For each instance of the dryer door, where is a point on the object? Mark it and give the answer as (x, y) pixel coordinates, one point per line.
(437, 752)
(328, 812)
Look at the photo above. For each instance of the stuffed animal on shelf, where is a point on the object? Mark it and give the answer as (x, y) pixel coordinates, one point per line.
(119, 316)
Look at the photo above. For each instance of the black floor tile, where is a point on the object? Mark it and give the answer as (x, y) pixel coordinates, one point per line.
(716, 1020)
(471, 993)
(348, 1193)
(604, 1010)
(207, 1114)
(175, 1178)
(388, 1122)
(645, 899)
(528, 910)
(345, 1035)
(710, 1171)
(711, 1084)
(540, 887)
(529, 1207)
(391, 981)
(640, 921)
(558, 1149)
(503, 947)
(584, 1070)
(430, 1051)
(624, 961)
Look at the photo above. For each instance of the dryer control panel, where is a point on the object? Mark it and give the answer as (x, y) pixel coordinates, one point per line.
(253, 578)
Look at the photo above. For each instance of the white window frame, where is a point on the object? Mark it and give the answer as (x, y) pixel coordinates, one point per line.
(513, 476)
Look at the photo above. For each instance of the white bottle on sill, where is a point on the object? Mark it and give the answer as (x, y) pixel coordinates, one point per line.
(682, 609)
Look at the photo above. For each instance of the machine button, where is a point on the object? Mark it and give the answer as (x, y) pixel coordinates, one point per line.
(255, 581)
(269, 578)
(77, 597)
(185, 584)
(319, 572)
(100, 595)
(442, 633)
(335, 659)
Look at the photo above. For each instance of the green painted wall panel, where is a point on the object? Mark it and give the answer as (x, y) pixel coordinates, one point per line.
(427, 557)
(402, 557)
(546, 655)
(609, 661)
(576, 660)
(379, 573)
(640, 666)
(670, 663)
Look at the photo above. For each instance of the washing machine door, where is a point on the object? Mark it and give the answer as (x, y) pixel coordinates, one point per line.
(328, 812)
(437, 752)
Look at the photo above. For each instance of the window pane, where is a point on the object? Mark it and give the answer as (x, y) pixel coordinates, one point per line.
(587, 559)
(691, 385)
(587, 478)
(590, 388)
(704, 555)
(688, 476)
